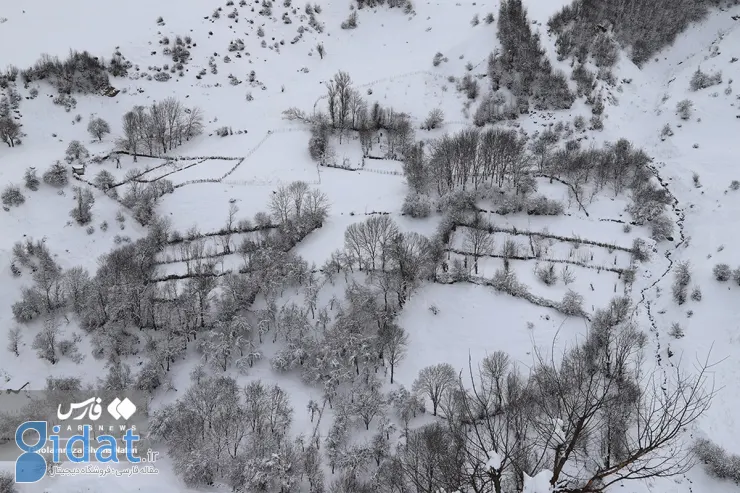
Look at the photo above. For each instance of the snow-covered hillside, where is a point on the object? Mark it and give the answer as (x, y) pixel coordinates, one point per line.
(521, 260)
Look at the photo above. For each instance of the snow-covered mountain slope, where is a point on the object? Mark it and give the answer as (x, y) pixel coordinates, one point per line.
(389, 58)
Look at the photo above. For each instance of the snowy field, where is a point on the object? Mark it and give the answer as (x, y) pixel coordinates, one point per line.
(316, 280)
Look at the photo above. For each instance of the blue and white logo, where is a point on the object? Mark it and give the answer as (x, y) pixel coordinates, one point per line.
(33, 439)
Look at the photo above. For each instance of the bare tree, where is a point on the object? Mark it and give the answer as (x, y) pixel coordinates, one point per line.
(281, 204)
(133, 129)
(433, 381)
(45, 342)
(357, 108)
(298, 191)
(430, 461)
(98, 128)
(316, 206)
(229, 228)
(159, 128)
(493, 425)
(600, 418)
(193, 123)
(434, 119)
(368, 402)
(394, 341)
(14, 340)
(9, 131)
(478, 243)
(84, 200)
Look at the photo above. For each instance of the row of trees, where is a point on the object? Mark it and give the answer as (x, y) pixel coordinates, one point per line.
(522, 67)
(363, 336)
(220, 432)
(592, 418)
(619, 166)
(470, 158)
(159, 128)
(10, 128)
(79, 72)
(124, 292)
(644, 26)
(474, 159)
(348, 111)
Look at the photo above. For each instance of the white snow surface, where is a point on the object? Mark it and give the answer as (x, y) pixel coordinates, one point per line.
(389, 53)
(539, 483)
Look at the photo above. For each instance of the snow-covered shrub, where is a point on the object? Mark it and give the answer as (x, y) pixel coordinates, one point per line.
(31, 179)
(640, 250)
(12, 196)
(438, 59)
(434, 119)
(579, 122)
(722, 272)
(65, 100)
(460, 271)
(684, 109)
(667, 131)
(506, 281)
(469, 86)
(682, 278)
(676, 331)
(572, 303)
(718, 462)
(317, 144)
(584, 79)
(541, 205)
(605, 50)
(29, 307)
(79, 72)
(98, 128)
(7, 482)
(416, 205)
(76, 151)
(661, 228)
(457, 201)
(696, 294)
(68, 348)
(546, 273)
(701, 80)
(45, 342)
(105, 181)
(735, 185)
(223, 131)
(351, 21)
(162, 76)
(82, 211)
(567, 275)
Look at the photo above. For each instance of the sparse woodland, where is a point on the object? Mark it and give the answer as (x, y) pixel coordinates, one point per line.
(590, 414)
